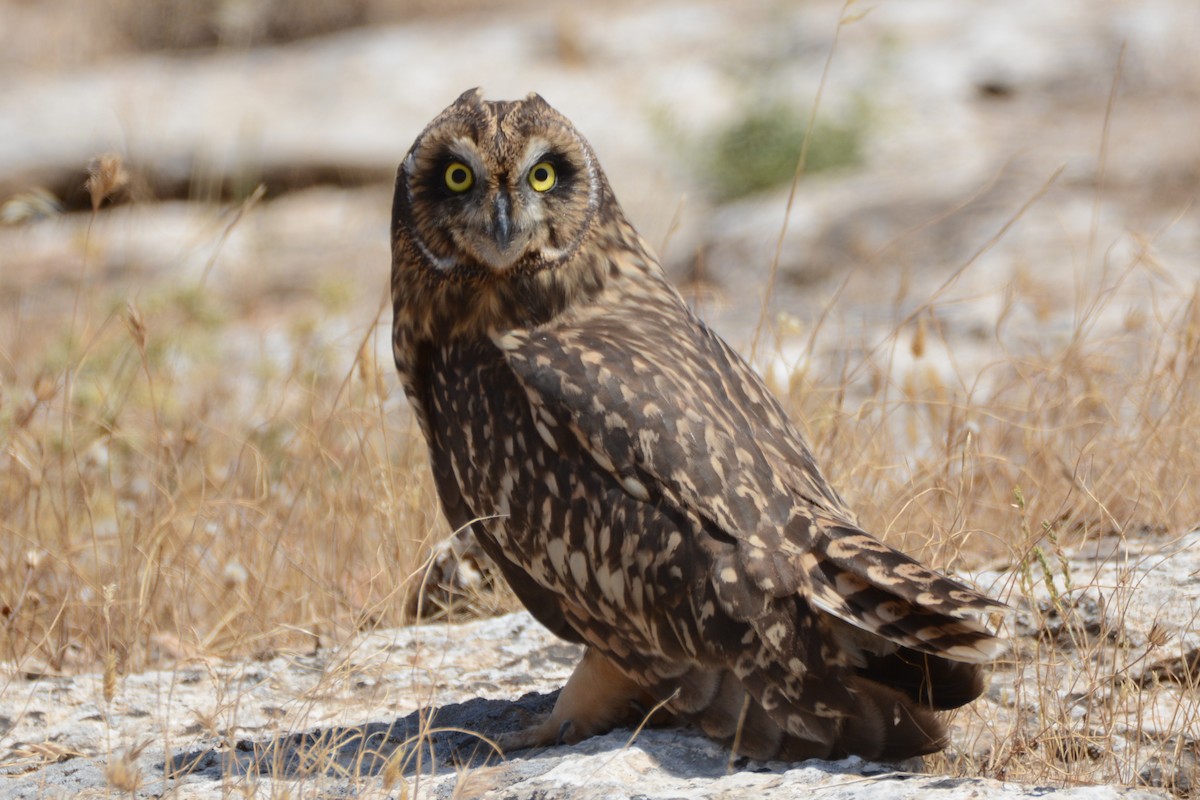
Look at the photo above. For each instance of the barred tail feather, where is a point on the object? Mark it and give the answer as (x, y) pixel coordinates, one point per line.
(860, 580)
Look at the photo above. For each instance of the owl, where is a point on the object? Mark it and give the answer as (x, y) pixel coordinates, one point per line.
(633, 479)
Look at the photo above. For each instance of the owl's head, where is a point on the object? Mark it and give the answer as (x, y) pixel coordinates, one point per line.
(493, 189)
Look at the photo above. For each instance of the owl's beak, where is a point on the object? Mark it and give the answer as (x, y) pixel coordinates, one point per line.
(502, 223)
(502, 243)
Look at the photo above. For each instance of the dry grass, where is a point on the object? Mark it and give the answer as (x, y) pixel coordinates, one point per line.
(1056, 447)
(172, 491)
(1062, 438)
(174, 485)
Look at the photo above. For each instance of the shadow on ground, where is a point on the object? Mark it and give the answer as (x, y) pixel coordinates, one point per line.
(450, 736)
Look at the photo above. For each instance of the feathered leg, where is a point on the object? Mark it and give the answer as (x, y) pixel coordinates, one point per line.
(597, 698)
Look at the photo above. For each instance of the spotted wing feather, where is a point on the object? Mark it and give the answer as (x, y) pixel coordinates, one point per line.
(690, 425)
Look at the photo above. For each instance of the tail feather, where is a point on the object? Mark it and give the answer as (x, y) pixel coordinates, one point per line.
(912, 626)
(890, 725)
(857, 659)
(720, 718)
(850, 551)
(886, 723)
(929, 680)
(887, 593)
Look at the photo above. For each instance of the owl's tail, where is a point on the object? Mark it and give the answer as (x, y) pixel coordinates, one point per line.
(857, 661)
(855, 578)
(891, 716)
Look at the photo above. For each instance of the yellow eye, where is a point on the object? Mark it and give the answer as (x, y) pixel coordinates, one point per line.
(459, 177)
(542, 176)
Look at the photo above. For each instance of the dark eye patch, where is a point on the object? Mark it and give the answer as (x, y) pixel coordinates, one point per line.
(433, 180)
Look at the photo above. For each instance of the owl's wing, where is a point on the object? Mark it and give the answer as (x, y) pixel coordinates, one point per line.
(675, 416)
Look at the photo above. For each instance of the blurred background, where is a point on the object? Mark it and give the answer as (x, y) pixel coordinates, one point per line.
(936, 123)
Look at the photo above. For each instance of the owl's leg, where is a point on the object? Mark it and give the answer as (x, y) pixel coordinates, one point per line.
(597, 698)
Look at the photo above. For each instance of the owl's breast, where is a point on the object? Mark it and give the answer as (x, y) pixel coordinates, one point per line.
(487, 440)
(555, 514)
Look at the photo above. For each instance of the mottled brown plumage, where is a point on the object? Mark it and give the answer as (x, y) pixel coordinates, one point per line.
(636, 483)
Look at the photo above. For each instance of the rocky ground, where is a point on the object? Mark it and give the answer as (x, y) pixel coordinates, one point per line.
(992, 153)
(407, 707)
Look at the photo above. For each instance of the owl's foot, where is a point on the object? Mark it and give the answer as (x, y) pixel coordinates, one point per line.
(597, 698)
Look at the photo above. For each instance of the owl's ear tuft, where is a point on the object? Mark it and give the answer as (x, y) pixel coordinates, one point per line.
(471, 97)
(535, 99)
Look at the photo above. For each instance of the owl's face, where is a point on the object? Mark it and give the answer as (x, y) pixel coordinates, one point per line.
(492, 189)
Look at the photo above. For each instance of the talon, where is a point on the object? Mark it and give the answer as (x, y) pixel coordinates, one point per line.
(596, 698)
(529, 736)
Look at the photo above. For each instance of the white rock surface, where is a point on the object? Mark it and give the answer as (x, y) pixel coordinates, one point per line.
(329, 722)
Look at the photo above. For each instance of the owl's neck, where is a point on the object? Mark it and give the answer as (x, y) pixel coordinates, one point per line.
(438, 307)
(440, 310)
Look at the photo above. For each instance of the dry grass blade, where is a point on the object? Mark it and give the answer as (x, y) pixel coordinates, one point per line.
(844, 18)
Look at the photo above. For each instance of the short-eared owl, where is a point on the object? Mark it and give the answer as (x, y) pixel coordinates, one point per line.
(633, 479)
